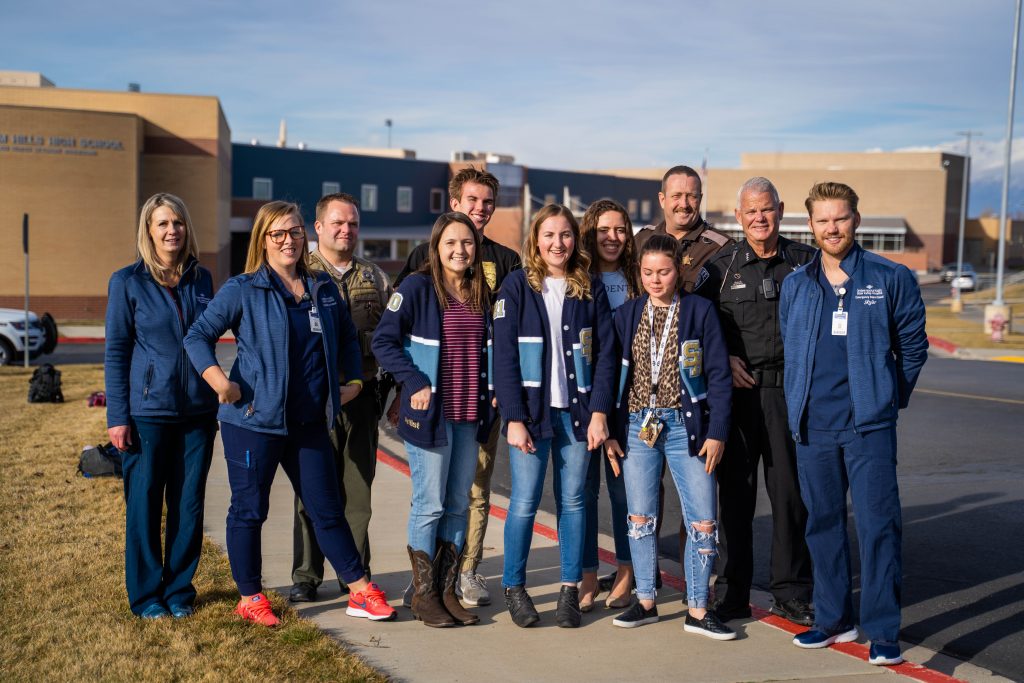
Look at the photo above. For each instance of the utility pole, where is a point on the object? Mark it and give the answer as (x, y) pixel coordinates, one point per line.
(388, 123)
(999, 307)
(957, 305)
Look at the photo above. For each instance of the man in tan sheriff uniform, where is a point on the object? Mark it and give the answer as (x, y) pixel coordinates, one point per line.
(366, 289)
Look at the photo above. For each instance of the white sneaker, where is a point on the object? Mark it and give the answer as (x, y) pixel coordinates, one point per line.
(473, 589)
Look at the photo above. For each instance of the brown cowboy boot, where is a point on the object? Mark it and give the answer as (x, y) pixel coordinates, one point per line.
(447, 575)
(426, 603)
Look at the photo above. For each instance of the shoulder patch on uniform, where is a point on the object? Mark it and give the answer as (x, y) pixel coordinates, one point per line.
(716, 237)
(395, 302)
(702, 277)
(499, 309)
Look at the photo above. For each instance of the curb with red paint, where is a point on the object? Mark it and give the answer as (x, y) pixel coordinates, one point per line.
(909, 669)
(947, 346)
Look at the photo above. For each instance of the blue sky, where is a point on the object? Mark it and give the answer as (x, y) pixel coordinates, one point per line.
(595, 84)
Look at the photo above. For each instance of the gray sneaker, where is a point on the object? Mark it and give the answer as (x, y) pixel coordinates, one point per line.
(407, 597)
(474, 589)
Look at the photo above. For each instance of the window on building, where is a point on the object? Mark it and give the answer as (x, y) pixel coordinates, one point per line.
(631, 207)
(368, 201)
(376, 250)
(436, 200)
(403, 199)
(262, 188)
(645, 210)
(329, 187)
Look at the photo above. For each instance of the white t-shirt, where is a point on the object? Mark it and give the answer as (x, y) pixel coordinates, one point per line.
(553, 292)
(615, 287)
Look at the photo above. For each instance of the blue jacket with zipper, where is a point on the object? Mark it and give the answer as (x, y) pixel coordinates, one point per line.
(253, 310)
(706, 379)
(147, 371)
(407, 343)
(886, 340)
(522, 356)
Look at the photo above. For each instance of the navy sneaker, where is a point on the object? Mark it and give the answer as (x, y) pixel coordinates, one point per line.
(181, 611)
(155, 611)
(814, 639)
(883, 654)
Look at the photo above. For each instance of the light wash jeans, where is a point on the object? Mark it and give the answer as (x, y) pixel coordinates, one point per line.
(441, 479)
(641, 469)
(571, 460)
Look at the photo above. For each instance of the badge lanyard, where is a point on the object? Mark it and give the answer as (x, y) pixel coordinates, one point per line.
(658, 355)
(840, 318)
(314, 317)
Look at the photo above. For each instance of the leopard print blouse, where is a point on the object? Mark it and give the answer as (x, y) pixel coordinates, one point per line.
(669, 389)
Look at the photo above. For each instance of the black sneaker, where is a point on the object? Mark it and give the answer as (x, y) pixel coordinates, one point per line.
(520, 606)
(568, 613)
(710, 625)
(636, 615)
(302, 592)
(796, 610)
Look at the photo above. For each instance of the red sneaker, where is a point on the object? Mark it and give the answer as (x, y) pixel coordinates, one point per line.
(371, 604)
(257, 610)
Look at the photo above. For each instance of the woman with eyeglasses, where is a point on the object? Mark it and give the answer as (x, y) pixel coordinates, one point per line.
(298, 361)
(161, 415)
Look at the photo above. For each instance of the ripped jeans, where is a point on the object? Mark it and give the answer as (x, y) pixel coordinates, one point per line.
(641, 470)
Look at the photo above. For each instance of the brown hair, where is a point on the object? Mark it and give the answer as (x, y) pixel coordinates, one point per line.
(577, 270)
(628, 262)
(680, 170)
(144, 241)
(473, 278)
(661, 243)
(471, 175)
(821, 192)
(269, 214)
(325, 201)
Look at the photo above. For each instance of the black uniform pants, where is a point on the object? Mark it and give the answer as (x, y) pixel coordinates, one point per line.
(760, 433)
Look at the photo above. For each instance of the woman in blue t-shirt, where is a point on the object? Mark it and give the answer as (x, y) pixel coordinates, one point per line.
(607, 235)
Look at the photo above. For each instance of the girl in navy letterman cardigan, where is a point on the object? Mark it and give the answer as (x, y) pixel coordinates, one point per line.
(554, 373)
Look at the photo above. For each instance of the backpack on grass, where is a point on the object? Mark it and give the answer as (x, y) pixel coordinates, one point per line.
(44, 387)
(100, 461)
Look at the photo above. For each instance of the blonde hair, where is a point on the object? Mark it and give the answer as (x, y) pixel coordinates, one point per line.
(577, 275)
(269, 214)
(822, 192)
(144, 241)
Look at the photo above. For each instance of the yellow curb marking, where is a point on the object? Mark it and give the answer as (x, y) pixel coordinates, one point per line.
(974, 396)
(1010, 359)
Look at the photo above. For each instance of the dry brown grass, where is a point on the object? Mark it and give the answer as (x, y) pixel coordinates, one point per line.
(967, 333)
(63, 610)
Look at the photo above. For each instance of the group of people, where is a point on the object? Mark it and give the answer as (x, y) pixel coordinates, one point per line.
(675, 349)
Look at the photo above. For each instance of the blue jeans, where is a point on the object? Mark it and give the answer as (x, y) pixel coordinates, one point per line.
(642, 469)
(441, 479)
(170, 461)
(617, 495)
(829, 464)
(307, 459)
(571, 459)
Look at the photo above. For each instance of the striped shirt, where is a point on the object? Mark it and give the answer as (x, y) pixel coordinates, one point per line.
(461, 331)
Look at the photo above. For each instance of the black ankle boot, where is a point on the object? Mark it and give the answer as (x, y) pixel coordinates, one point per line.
(520, 606)
(568, 614)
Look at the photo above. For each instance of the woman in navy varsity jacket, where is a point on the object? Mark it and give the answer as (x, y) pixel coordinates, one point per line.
(554, 367)
(674, 401)
(293, 333)
(160, 413)
(433, 338)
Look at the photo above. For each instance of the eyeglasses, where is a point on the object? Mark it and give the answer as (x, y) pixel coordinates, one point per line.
(297, 233)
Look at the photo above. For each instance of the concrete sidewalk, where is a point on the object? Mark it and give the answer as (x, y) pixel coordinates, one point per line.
(497, 650)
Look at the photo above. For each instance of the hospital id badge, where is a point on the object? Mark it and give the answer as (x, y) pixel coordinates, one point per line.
(314, 321)
(650, 429)
(839, 321)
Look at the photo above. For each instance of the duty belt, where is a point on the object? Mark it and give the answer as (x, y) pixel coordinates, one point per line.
(769, 379)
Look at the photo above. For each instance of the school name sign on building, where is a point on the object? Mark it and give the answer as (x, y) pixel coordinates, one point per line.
(56, 144)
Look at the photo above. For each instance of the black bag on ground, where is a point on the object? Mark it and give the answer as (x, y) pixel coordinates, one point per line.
(44, 387)
(100, 461)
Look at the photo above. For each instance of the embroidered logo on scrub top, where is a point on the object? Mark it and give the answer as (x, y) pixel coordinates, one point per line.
(869, 294)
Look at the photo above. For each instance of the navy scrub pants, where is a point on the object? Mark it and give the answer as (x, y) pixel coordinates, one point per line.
(830, 463)
(170, 460)
(307, 458)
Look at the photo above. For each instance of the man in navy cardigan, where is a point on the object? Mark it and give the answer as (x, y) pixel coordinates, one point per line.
(854, 338)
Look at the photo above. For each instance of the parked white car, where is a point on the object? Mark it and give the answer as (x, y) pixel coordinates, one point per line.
(968, 280)
(42, 335)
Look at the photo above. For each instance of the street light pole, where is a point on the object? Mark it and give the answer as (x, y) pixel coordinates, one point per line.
(388, 123)
(997, 314)
(957, 305)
